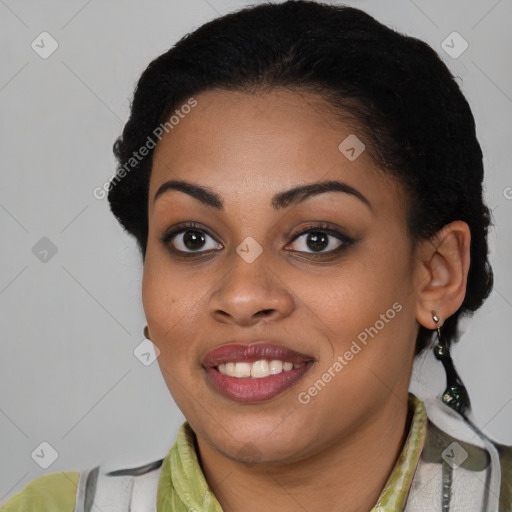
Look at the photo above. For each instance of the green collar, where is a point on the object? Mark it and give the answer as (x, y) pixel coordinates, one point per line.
(394, 495)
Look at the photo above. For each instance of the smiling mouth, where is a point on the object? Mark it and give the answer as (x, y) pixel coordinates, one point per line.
(256, 372)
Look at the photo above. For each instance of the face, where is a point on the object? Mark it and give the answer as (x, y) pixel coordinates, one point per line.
(240, 278)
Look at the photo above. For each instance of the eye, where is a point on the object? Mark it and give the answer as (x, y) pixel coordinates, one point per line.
(320, 240)
(190, 239)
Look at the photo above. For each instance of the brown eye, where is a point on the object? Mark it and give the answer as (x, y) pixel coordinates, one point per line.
(193, 240)
(318, 242)
(189, 238)
(320, 239)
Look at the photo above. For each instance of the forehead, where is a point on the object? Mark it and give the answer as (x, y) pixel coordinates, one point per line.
(261, 130)
(254, 145)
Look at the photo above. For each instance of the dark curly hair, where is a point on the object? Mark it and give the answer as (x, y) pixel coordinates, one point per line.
(418, 124)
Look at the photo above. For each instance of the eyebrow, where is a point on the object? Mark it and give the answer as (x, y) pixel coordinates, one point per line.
(280, 200)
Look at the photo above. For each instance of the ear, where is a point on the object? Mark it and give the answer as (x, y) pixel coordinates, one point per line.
(441, 273)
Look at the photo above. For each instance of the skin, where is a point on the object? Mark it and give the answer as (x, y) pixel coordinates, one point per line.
(338, 449)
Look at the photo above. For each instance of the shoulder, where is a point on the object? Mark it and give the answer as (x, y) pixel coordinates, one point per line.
(55, 492)
(74, 490)
(442, 447)
(506, 472)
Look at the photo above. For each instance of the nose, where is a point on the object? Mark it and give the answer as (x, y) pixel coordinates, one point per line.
(249, 293)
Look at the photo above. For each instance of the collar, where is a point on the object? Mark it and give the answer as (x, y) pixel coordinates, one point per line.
(182, 486)
(394, 495)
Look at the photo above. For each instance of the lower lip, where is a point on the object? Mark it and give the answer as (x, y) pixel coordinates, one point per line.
(248, 390)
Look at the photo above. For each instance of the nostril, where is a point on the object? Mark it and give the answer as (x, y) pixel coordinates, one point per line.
(265, 312)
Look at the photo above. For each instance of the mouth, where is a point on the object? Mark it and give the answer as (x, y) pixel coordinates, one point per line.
(256, 372)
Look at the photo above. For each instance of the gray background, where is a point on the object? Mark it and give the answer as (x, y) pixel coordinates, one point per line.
(70, 324)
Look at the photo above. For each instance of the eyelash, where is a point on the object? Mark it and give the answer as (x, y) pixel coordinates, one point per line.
(345, 240)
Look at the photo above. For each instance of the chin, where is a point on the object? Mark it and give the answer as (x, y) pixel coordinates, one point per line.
(262, 452)
(258, 440)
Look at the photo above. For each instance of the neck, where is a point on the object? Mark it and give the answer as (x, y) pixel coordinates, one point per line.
(351, 473)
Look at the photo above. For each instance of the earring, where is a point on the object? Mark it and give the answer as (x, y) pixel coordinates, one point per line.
(146, 332)
(455, 395)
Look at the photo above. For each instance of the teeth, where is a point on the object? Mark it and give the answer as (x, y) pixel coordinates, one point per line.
(242, 369)
(276, 367)
(258, 369)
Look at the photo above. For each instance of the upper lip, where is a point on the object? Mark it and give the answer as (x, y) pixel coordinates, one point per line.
(255, 351)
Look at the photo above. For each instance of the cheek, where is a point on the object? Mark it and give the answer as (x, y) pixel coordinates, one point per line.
(369, 309)
(366, 286)
(168, 305)
(167, 293)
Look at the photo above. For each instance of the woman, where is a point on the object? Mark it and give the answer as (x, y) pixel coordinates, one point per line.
(305, 187)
